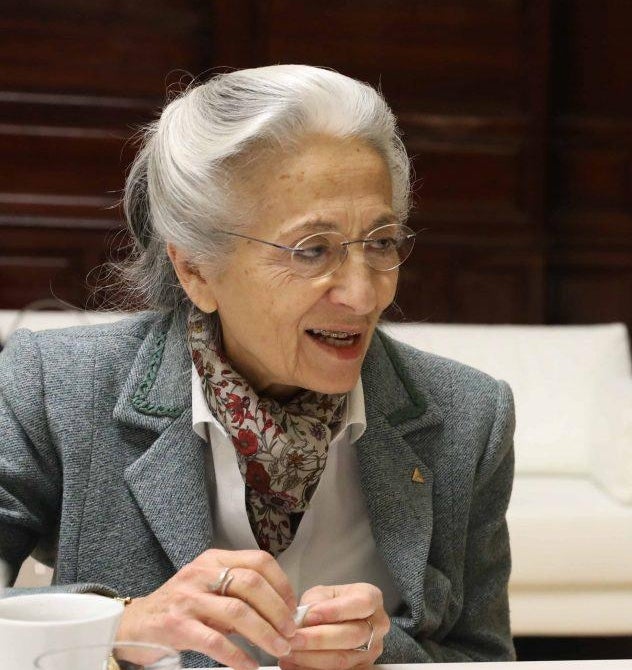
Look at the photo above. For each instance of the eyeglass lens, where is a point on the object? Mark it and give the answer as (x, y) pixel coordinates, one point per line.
(321, 254)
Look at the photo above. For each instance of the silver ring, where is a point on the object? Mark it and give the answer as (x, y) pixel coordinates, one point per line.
(220, 585)
(367, 645)
(226, 584)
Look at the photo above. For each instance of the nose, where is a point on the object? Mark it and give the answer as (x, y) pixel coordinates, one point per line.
(355, 283)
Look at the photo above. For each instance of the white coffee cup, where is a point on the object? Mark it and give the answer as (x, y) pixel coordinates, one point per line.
(33, 624)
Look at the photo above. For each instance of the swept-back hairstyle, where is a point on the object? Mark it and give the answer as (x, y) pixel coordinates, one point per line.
(178, 186)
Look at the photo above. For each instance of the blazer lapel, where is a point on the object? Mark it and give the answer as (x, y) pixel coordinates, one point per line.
(168, 481)
(396, 482)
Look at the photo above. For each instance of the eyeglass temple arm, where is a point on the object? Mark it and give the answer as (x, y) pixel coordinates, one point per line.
(256, 239)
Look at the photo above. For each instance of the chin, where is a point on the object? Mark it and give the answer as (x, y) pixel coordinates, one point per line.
(334, 386)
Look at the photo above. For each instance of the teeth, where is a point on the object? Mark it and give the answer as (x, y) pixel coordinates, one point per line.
(340, 335)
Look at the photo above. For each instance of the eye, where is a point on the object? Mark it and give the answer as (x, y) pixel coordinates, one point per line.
(383, 244)
(314, 250)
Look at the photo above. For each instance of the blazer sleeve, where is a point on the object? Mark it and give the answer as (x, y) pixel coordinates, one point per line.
(31, 472)
(482, 631)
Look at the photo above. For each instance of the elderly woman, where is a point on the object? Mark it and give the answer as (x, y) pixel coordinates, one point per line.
(254, 442)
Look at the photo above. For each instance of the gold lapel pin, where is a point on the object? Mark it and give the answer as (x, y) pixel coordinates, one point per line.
(418, 477)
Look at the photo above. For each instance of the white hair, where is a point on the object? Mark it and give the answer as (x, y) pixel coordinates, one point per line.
(178, 185)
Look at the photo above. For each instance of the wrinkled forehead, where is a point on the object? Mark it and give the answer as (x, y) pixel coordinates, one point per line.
(325, 180)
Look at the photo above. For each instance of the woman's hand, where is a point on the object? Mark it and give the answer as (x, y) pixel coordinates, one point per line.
(335, 625)
(185, 613)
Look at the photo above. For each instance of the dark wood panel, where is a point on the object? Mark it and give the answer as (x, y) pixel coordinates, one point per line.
(519, 115)
(31, 278)
(475, 174)
(101, 47)
(54, 110)
(593, 177)
(590, 287)
(42, 263)
(593, 64)
(591, 171)
(468, 184)
(434, 55)
(70, 161)
(460, 283)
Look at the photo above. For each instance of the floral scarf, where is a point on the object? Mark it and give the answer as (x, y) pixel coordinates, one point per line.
(281, 449)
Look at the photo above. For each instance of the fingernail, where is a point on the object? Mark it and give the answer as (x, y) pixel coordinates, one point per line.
(251, 665)
(281, 647)
(289, 628)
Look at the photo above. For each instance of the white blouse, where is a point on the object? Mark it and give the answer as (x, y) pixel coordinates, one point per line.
(333, 543)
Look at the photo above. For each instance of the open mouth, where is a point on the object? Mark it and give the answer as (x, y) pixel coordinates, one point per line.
(335, 338)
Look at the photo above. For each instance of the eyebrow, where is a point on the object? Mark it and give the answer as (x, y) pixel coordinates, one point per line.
(319, 224)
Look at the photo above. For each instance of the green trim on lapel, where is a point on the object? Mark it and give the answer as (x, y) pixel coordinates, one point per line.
(139, 399)
(419, 402)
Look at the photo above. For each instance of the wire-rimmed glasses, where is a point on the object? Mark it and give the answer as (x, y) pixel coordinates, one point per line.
(321, 254)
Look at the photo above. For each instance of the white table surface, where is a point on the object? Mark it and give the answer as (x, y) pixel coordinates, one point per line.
(624, 664)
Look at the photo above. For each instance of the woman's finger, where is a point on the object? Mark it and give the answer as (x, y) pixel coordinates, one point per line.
(253, 588)
(236, 616)
(198, 637)
(344, 636)
(344, 605)
(259, 561)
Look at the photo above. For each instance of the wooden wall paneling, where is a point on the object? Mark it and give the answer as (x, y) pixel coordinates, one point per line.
(26, 278)
(435, 55)
(537, 64)
(591, 286)
(468, 182)
(60, 174)
(592, 162)
(593, 184)
(61, 161)
(44, 263)
(450, 283)
(518, 113)
(463, 80)
(236, 36)
(591, 167)
(593, 68)
(77, 79)
(122, 49)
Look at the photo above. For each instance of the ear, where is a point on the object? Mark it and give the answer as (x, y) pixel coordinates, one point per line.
(193, 280)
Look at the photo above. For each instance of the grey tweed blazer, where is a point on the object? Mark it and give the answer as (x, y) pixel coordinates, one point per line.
(102, 475)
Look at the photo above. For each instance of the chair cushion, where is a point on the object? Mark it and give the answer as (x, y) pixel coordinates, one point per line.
(557, 374)
(611, 455)
(566, 531)
(11, 320)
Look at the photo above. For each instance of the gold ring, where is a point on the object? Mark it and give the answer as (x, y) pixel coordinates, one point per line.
(367, 645)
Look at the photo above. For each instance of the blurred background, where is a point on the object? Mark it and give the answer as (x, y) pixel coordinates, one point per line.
(518, 114)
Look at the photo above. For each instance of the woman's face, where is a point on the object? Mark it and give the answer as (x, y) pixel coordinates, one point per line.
(268, 314)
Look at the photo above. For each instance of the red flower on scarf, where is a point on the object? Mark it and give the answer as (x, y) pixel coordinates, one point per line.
(257, 477)
(245, 442)
(238, 408)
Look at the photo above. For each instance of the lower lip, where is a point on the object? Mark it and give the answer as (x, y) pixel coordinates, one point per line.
(346, 353)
